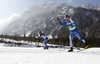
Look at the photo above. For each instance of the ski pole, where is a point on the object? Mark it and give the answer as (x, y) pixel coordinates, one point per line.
(60, 29)
(62, 37)
(38, 41)
(61, 32)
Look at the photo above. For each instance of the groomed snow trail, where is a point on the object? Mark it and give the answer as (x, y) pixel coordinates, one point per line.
(20, 55)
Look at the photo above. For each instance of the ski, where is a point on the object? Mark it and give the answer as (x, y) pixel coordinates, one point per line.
(84, 49)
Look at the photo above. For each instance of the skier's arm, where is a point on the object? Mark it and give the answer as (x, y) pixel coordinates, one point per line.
(72, 21)
(39, 36)
(60, 22)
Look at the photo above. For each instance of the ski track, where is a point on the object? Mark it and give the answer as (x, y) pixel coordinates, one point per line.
(20, 55)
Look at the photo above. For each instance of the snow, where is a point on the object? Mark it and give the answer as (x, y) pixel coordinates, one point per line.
(36, 55)
(87, 6)
(15, 55)
(28, 33)
(50, 37)
(98, 8)
(71, 11)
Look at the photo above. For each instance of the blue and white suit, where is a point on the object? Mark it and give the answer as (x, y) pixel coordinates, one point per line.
(45, 39)
(73, 31)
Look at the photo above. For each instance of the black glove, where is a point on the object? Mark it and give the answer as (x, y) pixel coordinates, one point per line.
(58, 19)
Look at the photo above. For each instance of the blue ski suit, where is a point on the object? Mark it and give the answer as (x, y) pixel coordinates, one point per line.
(45, 39)
(73, 31)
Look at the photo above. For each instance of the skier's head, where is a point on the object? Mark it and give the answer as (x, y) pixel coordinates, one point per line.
(58, 19)
(66, 17)
(40, 32)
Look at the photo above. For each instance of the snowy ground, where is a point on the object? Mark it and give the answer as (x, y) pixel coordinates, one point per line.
(36, 55)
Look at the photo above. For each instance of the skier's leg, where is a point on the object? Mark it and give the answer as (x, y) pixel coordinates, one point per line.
(71, 36)
(79, 37)
(45, 41)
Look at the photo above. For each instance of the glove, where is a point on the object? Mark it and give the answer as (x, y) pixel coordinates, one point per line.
(58, 20)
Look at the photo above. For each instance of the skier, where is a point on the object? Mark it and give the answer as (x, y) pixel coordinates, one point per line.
(73, 31)
(45, 39)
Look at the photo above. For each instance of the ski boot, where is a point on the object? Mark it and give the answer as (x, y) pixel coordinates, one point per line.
(45, 48)
(71, 50)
